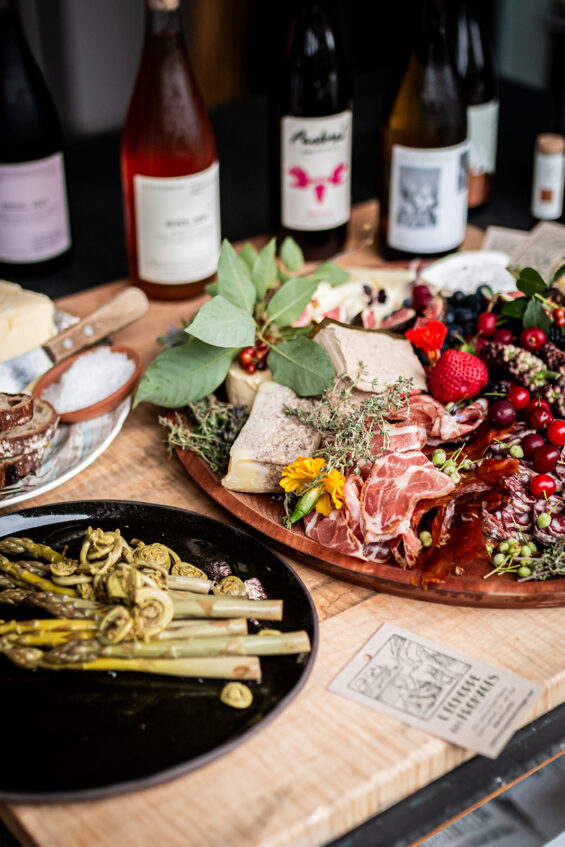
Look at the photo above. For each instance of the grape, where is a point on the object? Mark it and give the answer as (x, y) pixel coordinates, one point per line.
(502, 414)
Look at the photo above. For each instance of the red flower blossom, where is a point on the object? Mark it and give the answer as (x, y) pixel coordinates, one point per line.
(428, 338)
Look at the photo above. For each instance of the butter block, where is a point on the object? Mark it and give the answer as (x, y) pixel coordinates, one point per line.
(27, 320)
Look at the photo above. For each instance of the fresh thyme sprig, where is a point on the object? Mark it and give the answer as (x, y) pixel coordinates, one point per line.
(213, 428)
(348, 425)
(550, 563)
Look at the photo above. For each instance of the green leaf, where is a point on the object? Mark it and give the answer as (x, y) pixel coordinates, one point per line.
(248, 253)
(534, 315)
(289, 302)
(221, 323)
(530, 282)
(233, 279)
(558, 273)
(515, 308)
(291, 254)
(211, 288)
(332, 273)
(282, 277)
(264, 272)
(302, 365)
(184, 374)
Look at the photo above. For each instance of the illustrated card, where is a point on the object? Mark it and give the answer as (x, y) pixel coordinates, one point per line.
(511, 241)
(456, 697)
(544, 248)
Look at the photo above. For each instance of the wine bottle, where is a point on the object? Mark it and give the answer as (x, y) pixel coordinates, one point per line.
(473, 58)
(35, 232)
(424, 149)
(170, 172)
(312, 191)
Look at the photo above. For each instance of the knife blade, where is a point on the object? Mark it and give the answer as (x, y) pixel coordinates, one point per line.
(126, 307)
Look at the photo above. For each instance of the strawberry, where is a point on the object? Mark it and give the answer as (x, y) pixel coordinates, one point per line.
(457, 375)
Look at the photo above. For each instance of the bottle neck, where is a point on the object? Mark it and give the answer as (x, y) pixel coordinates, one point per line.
(431, 38)
(162, 17)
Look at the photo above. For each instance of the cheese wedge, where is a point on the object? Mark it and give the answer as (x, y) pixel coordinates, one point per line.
(26, 320)
(241, 387)
(269, 440)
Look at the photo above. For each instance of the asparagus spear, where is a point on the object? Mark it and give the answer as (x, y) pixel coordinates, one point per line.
(47, 625)
(22, 575)
(240, 645)
(216, 667)
(202, 628)
(19, 546)
(189, 583)
(219, 606)
(59, 605)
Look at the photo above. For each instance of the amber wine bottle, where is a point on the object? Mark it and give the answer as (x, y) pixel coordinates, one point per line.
(424, 152)
(169, 167)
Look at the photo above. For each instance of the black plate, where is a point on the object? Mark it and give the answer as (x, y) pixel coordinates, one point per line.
(75, 735)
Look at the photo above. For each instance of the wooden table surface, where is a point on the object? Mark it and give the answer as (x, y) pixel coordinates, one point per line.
(325, 764)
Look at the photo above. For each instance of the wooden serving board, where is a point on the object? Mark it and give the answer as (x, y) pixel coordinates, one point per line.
(262, 513)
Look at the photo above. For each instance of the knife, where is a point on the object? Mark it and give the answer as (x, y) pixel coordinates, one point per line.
(126, 307)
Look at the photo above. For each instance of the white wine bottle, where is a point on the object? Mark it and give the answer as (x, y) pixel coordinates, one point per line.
(424, 153)
(35, 232)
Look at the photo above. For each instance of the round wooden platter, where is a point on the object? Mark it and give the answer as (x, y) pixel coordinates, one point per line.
(262, 513)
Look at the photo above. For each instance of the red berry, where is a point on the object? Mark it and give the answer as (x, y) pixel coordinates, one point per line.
(530, 443)
(559, 317)
(519, 397)
(457, 375)
(486, 323)
(537, 403)
(540, 418)
(479, 342)
(246, 356)
(261, 345)
(502, 414)
(532, 338)
(556, 433)
(260, 354)
(421, 296)
(503, 336)
(545, 458)
(250, 368)
(542, 485)
(262, 365)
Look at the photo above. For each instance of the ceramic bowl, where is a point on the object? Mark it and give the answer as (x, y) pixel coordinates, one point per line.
(96, 409)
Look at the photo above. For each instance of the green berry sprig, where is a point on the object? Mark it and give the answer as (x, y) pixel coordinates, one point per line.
(451, 464)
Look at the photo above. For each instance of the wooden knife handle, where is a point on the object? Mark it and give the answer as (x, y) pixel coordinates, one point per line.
(123, 309)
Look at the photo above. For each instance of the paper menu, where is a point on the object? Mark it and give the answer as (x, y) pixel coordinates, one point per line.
(430, 686)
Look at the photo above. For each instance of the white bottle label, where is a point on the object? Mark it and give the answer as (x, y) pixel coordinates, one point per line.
(34, 218)
(428, 198)
(177, 226)
(483, 132)
(547, 192)
(316, 171)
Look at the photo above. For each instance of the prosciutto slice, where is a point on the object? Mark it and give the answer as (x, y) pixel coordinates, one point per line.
(395, 484)
(333, 531)
(441, 425)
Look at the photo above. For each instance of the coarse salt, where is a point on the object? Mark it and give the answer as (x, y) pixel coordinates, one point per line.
(90, 378)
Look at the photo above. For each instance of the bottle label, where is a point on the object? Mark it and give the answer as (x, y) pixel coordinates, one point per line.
(316, 171)
(483, 131)
(428, 198)
(547, 192)
(34, 217)
(177, 226)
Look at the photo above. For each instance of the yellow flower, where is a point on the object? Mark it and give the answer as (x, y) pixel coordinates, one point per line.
(333, 483)
(303, 471)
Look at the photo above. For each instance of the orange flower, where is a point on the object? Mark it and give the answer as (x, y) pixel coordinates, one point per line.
(428, 338)
(301, 473)
(325, 496)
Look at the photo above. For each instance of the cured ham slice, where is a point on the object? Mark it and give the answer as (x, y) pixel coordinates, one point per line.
(441, 425)
(333, 531)
(396, 483)
(399, 439)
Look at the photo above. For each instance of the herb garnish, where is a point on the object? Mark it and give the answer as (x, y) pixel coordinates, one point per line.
(348, 425)
(215, 426)
(550, 563)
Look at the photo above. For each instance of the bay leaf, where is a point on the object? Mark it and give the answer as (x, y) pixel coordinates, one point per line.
(331, 273)
(291, 254)
(264, 271)
(234, 283)
(248, 253)
(184, 374)
(222, 324)
(302, 365)
(289, 302)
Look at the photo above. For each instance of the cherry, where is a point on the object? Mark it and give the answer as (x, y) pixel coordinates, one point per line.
(250, 367)
(556, 433)
(421, 296)
(542, 485)
(486, 323)
(537, 403)
(540, 418)
(530, 443)
(532, 338)
(246, 356)
(260, 354)
(545, 458)
(519, 397)
(262, 365)
(503, 336)
(559, 317)
(502, 414)
(261, 345)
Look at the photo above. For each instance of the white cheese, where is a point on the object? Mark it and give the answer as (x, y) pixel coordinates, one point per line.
(241, 387)
(26, 320)
(269, 440)
(383, 357)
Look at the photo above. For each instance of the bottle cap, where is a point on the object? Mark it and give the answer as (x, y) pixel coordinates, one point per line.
(550, 144)
(162, 5)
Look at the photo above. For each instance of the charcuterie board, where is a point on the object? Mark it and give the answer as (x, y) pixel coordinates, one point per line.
(262, 513)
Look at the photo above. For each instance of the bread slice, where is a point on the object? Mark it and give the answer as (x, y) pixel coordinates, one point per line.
(22, 465)
(15, 409)
(33, 435)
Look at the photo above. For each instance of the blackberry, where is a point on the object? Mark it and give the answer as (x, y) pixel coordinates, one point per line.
(500, 386)
(458, 298)
(556, 336)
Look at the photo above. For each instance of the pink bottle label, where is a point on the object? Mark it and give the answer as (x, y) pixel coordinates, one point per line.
(34, 218)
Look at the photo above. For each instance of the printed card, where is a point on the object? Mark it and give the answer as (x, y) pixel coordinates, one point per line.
(544, 249)
(510, 241)
(456, 697)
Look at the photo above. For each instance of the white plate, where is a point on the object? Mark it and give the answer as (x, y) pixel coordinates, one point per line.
(467, 270)
(74, 447)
